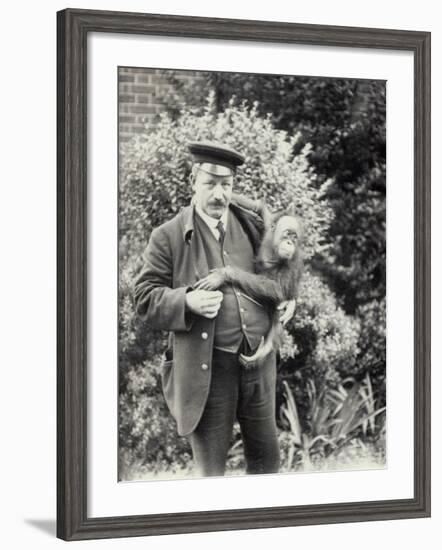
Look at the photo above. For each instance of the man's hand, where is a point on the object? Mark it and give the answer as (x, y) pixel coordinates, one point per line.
(204, 302)
(213, 281)
(288, 309)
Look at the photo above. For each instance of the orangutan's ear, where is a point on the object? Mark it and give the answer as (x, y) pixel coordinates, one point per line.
(291, 211)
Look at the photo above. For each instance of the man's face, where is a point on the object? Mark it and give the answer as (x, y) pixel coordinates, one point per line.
(212, 193)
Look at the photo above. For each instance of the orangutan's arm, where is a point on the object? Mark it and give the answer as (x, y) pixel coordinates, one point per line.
(256, 285)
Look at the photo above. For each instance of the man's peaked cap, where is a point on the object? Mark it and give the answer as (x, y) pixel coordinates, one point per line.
(212, 152)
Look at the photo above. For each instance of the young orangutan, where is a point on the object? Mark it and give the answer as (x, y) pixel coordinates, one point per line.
(278, 270)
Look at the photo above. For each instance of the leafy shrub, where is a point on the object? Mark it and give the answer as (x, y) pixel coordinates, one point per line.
(337, 418)
(321, 343)
(146, 427)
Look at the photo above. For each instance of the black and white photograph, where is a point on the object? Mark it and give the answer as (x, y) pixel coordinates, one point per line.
(252, 274)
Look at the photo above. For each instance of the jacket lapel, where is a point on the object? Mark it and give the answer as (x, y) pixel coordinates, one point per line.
(252, 224)
(192, 241)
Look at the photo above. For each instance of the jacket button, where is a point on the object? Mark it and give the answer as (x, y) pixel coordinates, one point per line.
(204, 366)
(204, 335)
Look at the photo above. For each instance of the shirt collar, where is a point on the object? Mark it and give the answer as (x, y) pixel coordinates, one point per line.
(213, 222)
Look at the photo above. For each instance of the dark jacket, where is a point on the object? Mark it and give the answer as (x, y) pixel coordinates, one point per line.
(173, 264)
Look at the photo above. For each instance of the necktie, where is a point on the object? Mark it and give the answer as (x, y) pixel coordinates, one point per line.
(221, 231)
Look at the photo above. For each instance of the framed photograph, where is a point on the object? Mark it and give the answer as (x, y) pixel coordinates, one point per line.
(243, 274)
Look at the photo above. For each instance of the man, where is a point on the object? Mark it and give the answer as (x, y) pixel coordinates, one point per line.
(205, 386)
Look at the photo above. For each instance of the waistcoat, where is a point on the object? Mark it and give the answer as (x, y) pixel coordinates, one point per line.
(239, 315)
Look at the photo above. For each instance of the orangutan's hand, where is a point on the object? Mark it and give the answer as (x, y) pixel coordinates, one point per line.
(213, 281)
(287, 311)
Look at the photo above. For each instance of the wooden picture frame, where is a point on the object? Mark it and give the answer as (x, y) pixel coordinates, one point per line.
(73, 27)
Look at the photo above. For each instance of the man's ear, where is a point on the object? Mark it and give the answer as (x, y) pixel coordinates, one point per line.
(291, 210)
(192, 181)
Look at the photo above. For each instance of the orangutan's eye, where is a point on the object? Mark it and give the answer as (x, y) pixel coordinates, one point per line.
(292, 235)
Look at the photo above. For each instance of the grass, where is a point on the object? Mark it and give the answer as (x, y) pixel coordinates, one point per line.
(356, 455)
(346, 431)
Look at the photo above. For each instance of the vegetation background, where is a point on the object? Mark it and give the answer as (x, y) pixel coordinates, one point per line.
(319, 143)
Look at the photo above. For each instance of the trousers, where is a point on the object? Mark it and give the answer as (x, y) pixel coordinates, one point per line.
(245, 394)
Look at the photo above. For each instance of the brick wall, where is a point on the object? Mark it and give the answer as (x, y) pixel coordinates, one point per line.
(141, 93)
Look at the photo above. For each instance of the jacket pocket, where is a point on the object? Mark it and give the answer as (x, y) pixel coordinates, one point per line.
(252, 300)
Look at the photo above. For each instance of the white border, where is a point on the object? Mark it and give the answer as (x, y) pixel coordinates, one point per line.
(106, 496)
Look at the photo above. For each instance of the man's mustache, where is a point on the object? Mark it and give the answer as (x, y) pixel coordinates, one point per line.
(217, 203)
